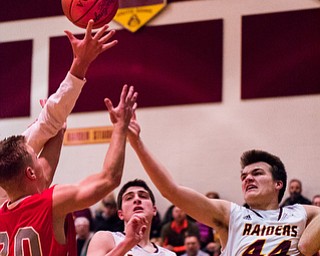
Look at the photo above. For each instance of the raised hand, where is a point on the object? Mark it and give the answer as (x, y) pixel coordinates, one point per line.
(136, 228)
(134, 129)
(86, 50)
(122, 114)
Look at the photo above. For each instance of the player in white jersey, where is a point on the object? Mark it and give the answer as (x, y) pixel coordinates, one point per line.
(265, 232)
(261, 229)
(138, 250)
(136, 204)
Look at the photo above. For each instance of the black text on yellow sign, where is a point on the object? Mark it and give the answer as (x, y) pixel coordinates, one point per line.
(92, 135)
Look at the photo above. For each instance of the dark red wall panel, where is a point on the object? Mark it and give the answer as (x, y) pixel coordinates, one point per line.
(281, 54)
(168, 65)
(15, 78)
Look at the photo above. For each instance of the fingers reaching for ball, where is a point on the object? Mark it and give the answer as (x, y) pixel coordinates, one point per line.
(86, 50)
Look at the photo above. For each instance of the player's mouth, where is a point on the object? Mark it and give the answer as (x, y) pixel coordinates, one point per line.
(138, 209)
(250, 187)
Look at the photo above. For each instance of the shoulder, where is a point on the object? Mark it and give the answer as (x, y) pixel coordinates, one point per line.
(235, 208)
(164, 251)
(295, 208)
(45, 195)
(102, 239)
(298, 212)
(104, 236)
(311, 211)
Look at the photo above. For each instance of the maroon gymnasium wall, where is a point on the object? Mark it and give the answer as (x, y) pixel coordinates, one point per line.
(172, 64)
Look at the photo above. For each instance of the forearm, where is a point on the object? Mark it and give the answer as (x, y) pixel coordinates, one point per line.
(55, 112)
(102, 183)
(114, 159)
(155, 170)
(79, 68)
(50, 155)
(121, 249)
(309, 243)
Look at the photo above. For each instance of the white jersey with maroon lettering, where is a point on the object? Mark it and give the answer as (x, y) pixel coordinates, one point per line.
(138, 251)
(268, 233)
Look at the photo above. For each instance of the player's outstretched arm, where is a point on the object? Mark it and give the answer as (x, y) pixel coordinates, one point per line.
(60, 104)
(103, 244)
(50, 154)
(214, 213)
(69, 198)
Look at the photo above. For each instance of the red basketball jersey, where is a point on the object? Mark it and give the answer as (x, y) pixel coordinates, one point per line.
(26, 227)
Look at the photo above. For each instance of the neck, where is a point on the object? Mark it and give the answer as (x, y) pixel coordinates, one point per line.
(20, 192)
(267, 203)
(146, 244)
(13, 199)
(264, 207)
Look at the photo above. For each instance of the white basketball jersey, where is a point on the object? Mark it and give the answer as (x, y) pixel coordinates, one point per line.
(138, 251)
(268, 233)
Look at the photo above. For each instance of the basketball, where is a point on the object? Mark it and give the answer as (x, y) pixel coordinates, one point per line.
(79, 12)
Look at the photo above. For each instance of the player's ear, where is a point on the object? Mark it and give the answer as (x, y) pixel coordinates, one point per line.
(120, 214)
(279, 184)
(154, 210)
(30, 173)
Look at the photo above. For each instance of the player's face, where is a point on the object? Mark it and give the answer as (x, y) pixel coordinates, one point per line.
(258, 186)
(136, 200)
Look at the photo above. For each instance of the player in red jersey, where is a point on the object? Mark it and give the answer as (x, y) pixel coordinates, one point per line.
(32, 220)
(51, 119)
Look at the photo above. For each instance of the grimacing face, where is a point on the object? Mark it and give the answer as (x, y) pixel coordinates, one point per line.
(258, 184)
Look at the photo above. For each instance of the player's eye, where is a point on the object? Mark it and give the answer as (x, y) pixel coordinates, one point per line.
(127, 197)
(144, 195)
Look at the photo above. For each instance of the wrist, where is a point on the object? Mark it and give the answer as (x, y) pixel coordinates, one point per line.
(136, 142)
(120, 128)
(79, 68)
(127, 244)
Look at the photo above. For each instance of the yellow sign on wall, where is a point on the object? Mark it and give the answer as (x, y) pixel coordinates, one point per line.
(91, 135)
(133, 14)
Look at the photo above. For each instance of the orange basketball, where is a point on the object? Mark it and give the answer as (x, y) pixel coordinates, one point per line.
(79, 12)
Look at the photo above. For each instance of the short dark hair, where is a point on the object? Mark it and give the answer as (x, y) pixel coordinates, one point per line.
(278, 170)
(134, 183)
(14, 157)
